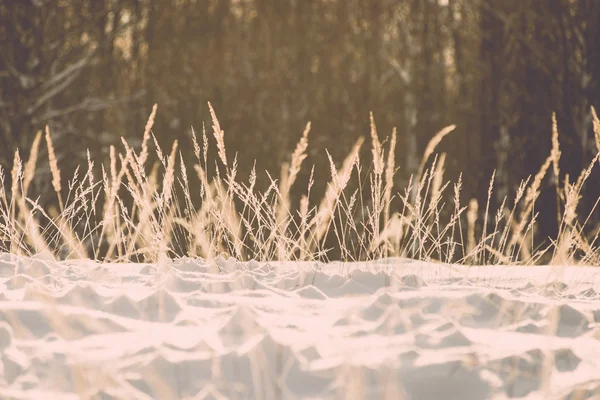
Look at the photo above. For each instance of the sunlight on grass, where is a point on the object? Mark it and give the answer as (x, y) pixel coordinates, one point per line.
(142, 212)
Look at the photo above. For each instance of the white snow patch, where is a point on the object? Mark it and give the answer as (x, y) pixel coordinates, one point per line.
(392, 328)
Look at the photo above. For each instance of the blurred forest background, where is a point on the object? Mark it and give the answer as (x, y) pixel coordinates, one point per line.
(92, 69)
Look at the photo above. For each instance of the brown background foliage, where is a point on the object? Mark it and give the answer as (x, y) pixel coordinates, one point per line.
(92, 69)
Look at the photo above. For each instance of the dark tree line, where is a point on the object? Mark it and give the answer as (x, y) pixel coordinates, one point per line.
(92, 69)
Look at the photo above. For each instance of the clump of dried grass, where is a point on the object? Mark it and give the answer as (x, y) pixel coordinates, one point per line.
(150, 214)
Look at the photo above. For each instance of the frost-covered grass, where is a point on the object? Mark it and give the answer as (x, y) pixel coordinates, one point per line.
(142, 212)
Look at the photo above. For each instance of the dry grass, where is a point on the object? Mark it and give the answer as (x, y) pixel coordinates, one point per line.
(596, 124)
(147, 212)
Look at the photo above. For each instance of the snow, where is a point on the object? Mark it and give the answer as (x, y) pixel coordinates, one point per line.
(393, 328)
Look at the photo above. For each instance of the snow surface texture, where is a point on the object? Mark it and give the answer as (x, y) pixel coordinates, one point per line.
(388, 329)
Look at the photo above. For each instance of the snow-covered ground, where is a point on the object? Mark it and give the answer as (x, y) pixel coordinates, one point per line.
(388, 329)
